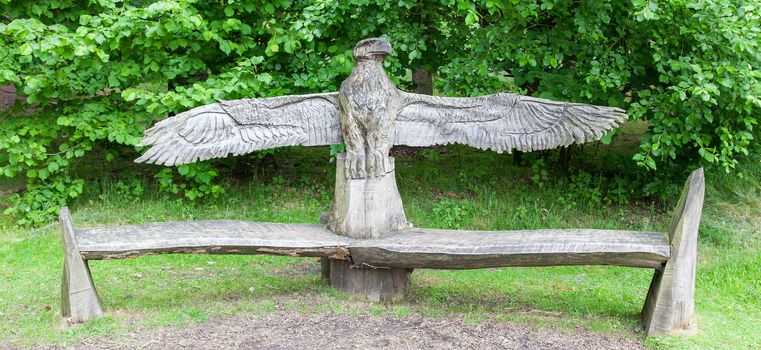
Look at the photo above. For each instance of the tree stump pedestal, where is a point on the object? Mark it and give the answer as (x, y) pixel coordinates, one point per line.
(366, 208)
(378, 284)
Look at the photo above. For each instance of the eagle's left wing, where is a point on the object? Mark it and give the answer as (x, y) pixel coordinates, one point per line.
(501, 122)
(242, 126)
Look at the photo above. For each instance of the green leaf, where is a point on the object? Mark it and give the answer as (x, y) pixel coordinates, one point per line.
(608, 137)
(25, 49)
(224, 45)
(264, 78)
(272, 47)
(650, 163)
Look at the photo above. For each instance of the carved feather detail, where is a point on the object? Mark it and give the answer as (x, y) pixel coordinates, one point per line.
(242, 126)
(501, 122)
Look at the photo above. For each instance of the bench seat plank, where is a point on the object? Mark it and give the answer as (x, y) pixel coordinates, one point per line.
(212, 237)
(415, 248)
(449, 249)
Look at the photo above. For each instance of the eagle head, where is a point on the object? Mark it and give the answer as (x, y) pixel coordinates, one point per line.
(372, 49)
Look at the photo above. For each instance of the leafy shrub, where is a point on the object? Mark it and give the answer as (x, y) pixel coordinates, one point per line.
(453, 213)
(95, 74)
(589, 189)
(198, 181)
(130, 189)
(539, 174)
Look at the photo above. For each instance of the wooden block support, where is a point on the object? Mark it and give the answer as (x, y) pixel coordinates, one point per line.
(670, 304)
(324, 261)
(366, 208)
(79, 299)
(375, 284)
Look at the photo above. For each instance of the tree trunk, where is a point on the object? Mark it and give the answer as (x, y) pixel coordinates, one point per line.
(423, 81)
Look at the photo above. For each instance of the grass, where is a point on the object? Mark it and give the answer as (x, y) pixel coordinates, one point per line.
(459, 188)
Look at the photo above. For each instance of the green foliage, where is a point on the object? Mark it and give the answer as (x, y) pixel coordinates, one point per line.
(539, 174)
(429, 153)
(41, 201)
(706, 98)
(586, 187)
(130, 190)
(579, 187)
(452, 213)
(335, 150)
(95, 74)
(198, 181)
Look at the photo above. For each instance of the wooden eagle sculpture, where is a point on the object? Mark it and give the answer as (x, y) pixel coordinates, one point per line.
(369, 114)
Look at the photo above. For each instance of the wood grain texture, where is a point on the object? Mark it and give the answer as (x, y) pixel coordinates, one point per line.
(370, 115)
(670, 304)
(79, 299)
(374, 284)
(449, 249)
(366, 207)
(212, 237)
(420, 248)
(368, 104)
(501, 122)
(325, 268)
(324, 261)
(242, 126)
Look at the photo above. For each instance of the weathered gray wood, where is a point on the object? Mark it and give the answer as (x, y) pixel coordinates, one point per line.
(370, 114)
(79, 299)
(422, 248)
(366, 207)
(325, 262)
(450, 249)
(501, 122)
(211, 237)
(325, 268)
(243, 126)
(375, 284)
(670, 304)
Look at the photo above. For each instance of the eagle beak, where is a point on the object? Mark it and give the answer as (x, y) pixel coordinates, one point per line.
(381, 47)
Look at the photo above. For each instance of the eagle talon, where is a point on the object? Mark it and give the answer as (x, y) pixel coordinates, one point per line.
(354, 166)
(376, 164)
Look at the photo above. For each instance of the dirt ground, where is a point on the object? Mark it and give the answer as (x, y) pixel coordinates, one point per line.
(294, 330)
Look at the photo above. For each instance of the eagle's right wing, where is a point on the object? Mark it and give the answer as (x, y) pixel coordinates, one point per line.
(242, 126)
(501, 122)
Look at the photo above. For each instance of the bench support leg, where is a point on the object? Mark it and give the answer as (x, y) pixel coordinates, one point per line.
(375, 284)
(325, 268)
(79, 300)
(670, 304)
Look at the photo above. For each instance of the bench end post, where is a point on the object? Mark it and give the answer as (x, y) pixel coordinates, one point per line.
(79, 299)
(670, 304)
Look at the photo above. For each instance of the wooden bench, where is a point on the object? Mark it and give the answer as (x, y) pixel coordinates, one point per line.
(669, 306)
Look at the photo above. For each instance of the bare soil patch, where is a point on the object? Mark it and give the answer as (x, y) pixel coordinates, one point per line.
(291, 329)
